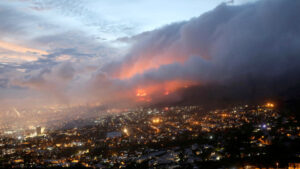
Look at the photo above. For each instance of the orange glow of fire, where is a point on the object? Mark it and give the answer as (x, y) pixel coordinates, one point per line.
(144, 99)
(165, 88)
(147, 93)
(174, 85)
(147, 62)
(141, 93)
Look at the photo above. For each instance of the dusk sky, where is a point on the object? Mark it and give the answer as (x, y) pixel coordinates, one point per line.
(72, 52)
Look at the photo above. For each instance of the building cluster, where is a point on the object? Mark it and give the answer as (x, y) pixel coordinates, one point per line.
(168, 137)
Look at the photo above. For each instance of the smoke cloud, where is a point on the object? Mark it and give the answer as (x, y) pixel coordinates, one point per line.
(232, 53)
(249, 51)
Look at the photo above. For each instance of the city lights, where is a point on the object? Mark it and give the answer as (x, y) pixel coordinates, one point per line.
(125, 130)
(156, 120)
(153, 133)
(270, 105)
